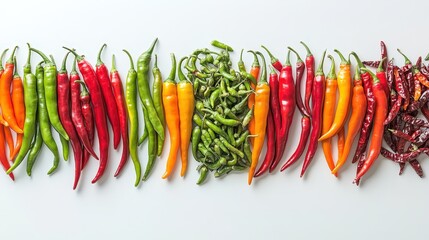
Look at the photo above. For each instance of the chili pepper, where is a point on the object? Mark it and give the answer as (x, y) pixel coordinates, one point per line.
(344, 89)
(274, 61)
(231, 148)
(3, 159)
(104, 82)
(30, 91)
(394, 110)
(401, 134)
(9, 141)
(196, 135)
(171, 108)
(50, 85)
(63, 89)
(262, 105)
(309, 63)
(274, 109)
(205, 152)
(216, 43)
(359, 106)
(287, 109)
(186, 103)
(35, 149)
(404, 157)
(221, 145)
(383, 54)
(271, 145)
(196, 118)
(203, 175)
(157, 101)
(373, 64)
(341, 141)
(5, 98)
(305, 132)
(91, 82)
(254, 71)
(152, 148)
(143, 63)
(415, 121)
(367, 122)
(389, 73)
(86, 109)
(118, 92)
(377, 134)
(328, 114)
(131, 101)
(216, 116)
(243, 137)
(2, 121)
(381, 74)
(299, 73)
(316, 114)
(399, 86)
(416, 133)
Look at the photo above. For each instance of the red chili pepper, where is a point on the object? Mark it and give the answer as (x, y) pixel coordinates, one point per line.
(309, 62)
(63, 89)
(383, 54)
(3, 159)
(274, 120)
(316, 114)
(389, 73)
(86, 109)
(381, 74)
(120, 103)
(377, 133)
(90, 79)
(287, 109)
(112, 110)
(299, 73)
(394, 110)
(305, 132)
(274, 61)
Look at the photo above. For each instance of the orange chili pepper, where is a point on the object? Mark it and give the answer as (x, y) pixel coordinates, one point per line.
(329, 111)
(9, 141)
(171, 110)
(344, 87)
(2, 121)
(359, 104)
(5, 98)
(185, 95)
(3, 158)
(19, 110)
(261, 108)
(254, 71)
(341, 139)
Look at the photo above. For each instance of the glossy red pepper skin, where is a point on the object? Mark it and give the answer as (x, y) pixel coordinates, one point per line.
(88, 117)
(381, 74)
(305, 133)
(109, 99)
(271, 146)
(287, 110)
(122, 113)
(309, 63)
(63, 89)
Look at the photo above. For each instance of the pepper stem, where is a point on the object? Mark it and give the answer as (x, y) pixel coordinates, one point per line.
(78, 57)
(273, 59)
(307, 49)
(264, 68)
(73, 71)
(1, 58)
(272, 70)
(357, 75)
(52, 59)
(10, 60)
(331, 74)
(407, 60)
(172, 74)
(287, 63)
(374, 77)
(63, 65)
(359, 62)
(319, 71)
(150, 50)
(179, 71)
(99, 62)
(299, 60)
(241, 55)
(255, 59)
(113, 69)
(131, 59)
(343, 60)
(15, 72)
(155, 64)
(380, 66)
(84, 89)
(29, 54)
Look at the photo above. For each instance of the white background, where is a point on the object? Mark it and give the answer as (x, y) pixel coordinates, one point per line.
(277, 206)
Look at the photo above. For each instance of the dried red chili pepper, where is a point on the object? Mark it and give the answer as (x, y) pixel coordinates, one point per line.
(383, 54)
(404, 157)
(415, 121)
(389, 73)
(399, 85)
(401, 134)
(394, 110)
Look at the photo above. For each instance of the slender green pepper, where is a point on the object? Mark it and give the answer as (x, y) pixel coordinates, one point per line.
(218, 117)
(234, 160)
(205, 141)
(152, 147)
(247, 151)
(230, 132)
(222, 172)
(206, 153)
(157, 102)
(212, 134)
(35, 149)
(206, 134)
(50, 86)
(221, 146)
(131, 101)
(221, 162)
(203, 175)
(216, 43)
(143, 63)
(247, 117)
(197, 120)
(215, 128)
(231, 148)
(196, 135)
(30, 100)
(242, 138)
(214, 96)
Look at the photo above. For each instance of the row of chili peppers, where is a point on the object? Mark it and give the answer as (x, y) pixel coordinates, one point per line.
(51, 97)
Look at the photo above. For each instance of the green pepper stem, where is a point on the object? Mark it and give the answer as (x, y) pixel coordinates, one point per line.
(1, 58)
(155, 64)
(131, 59)
(150, 50)
(29, 55)
(255, 59)
(10, 60)
(357, 75)
(44, 57)
(73, 71)
(264, 68)
(179, 71)
(343, 60)
(72, 50)
(63, 65)
(331, 74)
(299, 60)
(309, 54)
(99, 62)
(113, 69)
(319, 71)
(52, 59)
(359, 62)
(407, 60)
(374, 77)
(84, 89)
(15, 72)
(241, 55)
(287, 63)
(172, 74)
(273, 59)
(272, 70)
(380, 66)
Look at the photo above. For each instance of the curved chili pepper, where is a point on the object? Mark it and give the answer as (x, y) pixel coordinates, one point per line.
(305, 132)
(36, 146)
(377, 133)
(300, 67)
(131, 101)
(389, 74)
(5, 98)
(63, 89)
(287, 109)
(3, 159)
(383, 49)
(2, 121)
(152, 148)
(359, 105)
(274, 61)
(157, 102)
(90, 79)
(316, 114)
(261, 109)
(309, 62)
(106, 88)
(171, 108)
(400, 87)
(394, 110)
(88, 118)
(402, 134)
(216, 43)
(118, 91)
(341, 138)
(415, 121)
(344, 89)
(254, 71)
(328, 114)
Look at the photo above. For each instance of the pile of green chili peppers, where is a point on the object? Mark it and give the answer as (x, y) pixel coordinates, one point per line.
(220, 137)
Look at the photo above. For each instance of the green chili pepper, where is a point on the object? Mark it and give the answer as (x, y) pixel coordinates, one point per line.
(35, 149)
(221, 146)
(216, 116)
(230, 132)
(247, 117)
(206, 153)
(242, 138)
(212, 134)
(206, 134)
(196, 135)
(30, 100)
(222, 172)
(221, 162)
(131, 101)
(215, 128)
(247, 151)
(217, 149)
(233, 161)
(203, 175)
(231, 148)
(196, 85)
(216, 43)
(199, 105)
(157, 102)
(205, 141)
(243, 71)
(65, 147)
(152, 147)
(50, 86)
(143, 63)
(214, 96)
(238, 168)
(197, 120)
